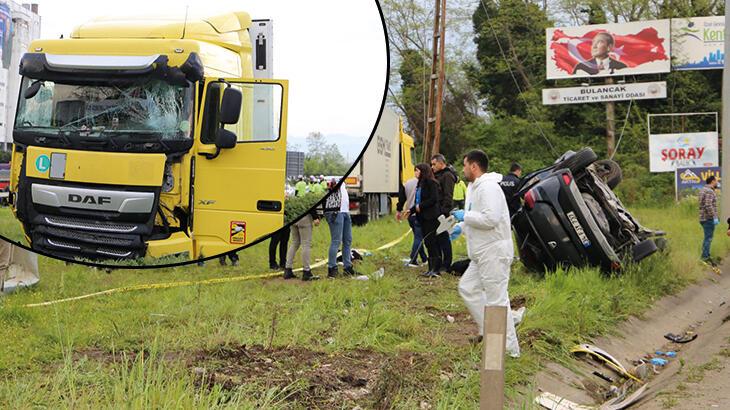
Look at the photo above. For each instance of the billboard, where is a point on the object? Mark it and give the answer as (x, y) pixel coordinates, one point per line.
(689, 180)
(604, 50)
(698, 43)
(668, 152)
(603, 93)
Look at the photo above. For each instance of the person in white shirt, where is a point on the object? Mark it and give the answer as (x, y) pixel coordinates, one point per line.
(485, 223)
(337, 214)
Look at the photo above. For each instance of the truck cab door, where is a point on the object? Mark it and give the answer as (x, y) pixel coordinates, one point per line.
(239, 170)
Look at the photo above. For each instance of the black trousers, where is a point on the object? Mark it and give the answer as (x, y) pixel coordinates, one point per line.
(434, 251)
(444, 243)
(280, 240)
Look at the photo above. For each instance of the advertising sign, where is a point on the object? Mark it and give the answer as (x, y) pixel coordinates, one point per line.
(668, 152)
(689, 180)
(603, 93)
(6, 40)
(698, 43)
(604, 50)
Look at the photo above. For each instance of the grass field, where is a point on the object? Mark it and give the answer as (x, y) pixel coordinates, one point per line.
(397, 342)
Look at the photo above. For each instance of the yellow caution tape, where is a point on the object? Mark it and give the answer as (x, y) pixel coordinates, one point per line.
(213, 281)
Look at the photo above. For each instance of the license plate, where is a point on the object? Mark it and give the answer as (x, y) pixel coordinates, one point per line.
(578, 229)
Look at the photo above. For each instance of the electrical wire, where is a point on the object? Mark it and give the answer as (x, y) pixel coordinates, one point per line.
(626, 120)
(517, 84)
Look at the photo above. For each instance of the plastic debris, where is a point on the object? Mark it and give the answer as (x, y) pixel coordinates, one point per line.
(378, 274)
(518, 314)
(681, 339)
(667, 354)
(657, 361)
(450, 319)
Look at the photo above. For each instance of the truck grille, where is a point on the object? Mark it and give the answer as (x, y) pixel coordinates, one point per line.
(74, 237)
(74, 223)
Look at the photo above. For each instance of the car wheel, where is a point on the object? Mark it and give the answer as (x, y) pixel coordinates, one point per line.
(610, 172)
(643, 249)
(578, 161)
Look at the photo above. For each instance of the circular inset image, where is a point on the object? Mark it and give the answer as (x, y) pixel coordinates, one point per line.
(185, 133)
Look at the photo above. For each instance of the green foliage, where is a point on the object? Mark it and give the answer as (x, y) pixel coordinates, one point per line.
(297, 206)
(323, 158)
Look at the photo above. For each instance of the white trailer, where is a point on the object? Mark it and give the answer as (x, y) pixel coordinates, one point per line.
(377, 176)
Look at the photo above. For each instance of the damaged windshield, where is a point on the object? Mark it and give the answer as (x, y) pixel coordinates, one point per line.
(154, 108)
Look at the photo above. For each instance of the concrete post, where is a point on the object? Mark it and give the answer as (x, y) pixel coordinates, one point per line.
(725, 130)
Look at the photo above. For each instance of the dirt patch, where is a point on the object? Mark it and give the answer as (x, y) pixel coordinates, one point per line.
(315, 379)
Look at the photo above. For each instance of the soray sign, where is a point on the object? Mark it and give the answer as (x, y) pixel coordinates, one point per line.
(698, 43)
(689, 180)
(668, 152)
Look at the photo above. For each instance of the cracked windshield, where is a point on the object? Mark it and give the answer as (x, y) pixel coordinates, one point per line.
(155, 107)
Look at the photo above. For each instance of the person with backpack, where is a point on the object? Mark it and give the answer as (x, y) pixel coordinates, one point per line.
(406, 199)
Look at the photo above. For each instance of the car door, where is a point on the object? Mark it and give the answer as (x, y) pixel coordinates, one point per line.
(237, 193)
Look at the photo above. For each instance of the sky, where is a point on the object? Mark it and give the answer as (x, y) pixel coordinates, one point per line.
(333, 52)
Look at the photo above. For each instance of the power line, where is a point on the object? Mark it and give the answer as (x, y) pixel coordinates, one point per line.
(626, 120)
(517, 84)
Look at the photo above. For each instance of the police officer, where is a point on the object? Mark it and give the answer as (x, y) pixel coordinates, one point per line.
(509, 185)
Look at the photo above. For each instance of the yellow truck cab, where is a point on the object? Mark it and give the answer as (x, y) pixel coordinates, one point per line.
(150, 137)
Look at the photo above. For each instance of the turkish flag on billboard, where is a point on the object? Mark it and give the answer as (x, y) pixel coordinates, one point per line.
(632, 52)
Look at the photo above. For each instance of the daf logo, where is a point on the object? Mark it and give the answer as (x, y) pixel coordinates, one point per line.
(89, 199)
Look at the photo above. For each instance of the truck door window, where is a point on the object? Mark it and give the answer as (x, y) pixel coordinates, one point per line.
(260, 119)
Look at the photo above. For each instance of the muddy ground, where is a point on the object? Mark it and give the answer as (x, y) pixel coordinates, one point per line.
(697, 378)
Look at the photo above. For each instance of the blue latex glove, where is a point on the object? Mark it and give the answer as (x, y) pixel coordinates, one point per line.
(716, 221)
(459, 215)
(455, 233)
(658, 362)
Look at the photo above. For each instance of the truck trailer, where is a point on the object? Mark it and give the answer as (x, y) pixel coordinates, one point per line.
(149, 137)
(387, 162)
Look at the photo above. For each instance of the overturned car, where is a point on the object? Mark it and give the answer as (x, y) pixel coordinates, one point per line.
(571, 217)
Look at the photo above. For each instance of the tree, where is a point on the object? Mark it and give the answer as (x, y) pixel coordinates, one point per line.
(323, 158)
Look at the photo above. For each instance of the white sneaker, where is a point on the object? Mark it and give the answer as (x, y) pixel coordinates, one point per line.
(413, 265)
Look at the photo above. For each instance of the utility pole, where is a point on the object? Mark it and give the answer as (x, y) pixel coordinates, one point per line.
(725, 131)
(432, 137)
(610, 124)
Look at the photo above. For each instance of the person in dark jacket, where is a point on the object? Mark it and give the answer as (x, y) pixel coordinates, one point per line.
(509, 185)
(447, 178)
(427, 210)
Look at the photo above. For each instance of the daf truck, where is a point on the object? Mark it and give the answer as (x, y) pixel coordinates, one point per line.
(387, 163)
(148, 137)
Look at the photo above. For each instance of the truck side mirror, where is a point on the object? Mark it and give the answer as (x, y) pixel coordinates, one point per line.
(225, 139)
(230, 106)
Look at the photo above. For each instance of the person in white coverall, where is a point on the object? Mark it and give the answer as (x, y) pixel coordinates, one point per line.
(485, 223)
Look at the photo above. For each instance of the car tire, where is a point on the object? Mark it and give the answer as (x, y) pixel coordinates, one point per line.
(578, 161)
(610, 172)
(644, 249)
